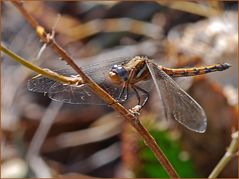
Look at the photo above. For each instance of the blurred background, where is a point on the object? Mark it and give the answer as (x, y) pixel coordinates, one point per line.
(43, 138)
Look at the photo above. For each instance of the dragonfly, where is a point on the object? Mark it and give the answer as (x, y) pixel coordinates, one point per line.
(125, 77)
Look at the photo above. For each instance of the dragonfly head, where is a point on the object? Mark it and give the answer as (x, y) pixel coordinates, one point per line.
(118, 73)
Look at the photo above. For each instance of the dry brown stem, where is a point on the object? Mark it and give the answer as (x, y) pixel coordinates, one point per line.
(130, 118)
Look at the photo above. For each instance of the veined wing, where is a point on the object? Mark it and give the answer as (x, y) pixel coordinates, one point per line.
(81, 94)
(42, 84)
(177, 103)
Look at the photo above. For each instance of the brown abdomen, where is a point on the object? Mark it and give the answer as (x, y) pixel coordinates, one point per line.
(181, 72)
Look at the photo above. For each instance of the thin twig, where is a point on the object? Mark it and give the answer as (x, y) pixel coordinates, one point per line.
(45, 72)
(133, 120)
(36, 163)
(98, 159)
(110, 127)
(43, 129)
(40, 167)
(230, 153)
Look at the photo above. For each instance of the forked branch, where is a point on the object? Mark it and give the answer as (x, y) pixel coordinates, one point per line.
(44, 72)
(130, 117)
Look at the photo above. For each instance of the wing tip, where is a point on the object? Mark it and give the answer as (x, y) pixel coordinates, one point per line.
(202, 128)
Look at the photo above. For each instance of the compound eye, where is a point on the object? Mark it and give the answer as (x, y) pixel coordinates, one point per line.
(114, 67)
(122, 72)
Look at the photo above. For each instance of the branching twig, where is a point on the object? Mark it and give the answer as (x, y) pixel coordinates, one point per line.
(232, 149)
(45, 72)
(133, 120)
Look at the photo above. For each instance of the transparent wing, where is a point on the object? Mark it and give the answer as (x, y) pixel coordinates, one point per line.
(81, 94)
(177, 103)
(42, 84)
(74, 94)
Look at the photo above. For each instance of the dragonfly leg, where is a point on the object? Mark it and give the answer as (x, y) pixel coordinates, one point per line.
(137, 94)
(122, 92)
(127, 93)
(145, 92)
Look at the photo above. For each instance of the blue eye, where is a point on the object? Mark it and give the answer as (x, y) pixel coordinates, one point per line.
(120, 71)
(114, 67)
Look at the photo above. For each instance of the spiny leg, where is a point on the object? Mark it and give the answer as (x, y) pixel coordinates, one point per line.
(137, 94)
(124, 88)
(145, 92)
(127, 93)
